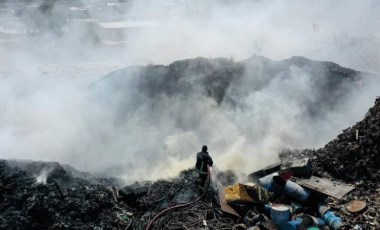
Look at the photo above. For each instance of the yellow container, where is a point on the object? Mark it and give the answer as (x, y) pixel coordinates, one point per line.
(237, 193)
(246, 193)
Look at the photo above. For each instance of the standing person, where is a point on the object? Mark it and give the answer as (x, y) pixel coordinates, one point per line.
(203, 159)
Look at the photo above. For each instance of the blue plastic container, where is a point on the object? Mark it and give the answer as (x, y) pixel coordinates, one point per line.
(273, 183)
(280, 213)
(296, 191)
(332, 220)
(291, 225)
(267, 181)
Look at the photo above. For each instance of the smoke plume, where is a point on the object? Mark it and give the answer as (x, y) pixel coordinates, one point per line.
(148, 121)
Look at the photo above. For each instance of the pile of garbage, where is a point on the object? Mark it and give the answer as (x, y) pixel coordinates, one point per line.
(227, 82)
(282, 196)
(57, 201)
(69, 199)
(352, 157)
(355, 154)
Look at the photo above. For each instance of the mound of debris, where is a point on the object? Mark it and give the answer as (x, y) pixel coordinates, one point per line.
(355, 154)
(57, 201)
(43, 195)
(352, 157)
(310, 193)
(284, 196)
(226, 81)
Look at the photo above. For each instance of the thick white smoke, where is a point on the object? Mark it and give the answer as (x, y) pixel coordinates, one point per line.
(46, 113)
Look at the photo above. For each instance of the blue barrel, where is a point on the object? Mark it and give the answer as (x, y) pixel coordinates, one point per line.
(273, 183)
(267, 180)
(291, 225)
(296, 191)
(280, 213)
(332, 220)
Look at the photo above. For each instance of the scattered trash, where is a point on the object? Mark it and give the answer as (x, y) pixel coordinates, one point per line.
(358, 227)
(329, 216)
(133, 191)
(332, 220)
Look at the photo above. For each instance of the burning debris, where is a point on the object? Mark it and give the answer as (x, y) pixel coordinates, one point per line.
(276, 200)
(307, 190)
(64, 202)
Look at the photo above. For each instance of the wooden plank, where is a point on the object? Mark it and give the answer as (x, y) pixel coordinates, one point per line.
(326, 186)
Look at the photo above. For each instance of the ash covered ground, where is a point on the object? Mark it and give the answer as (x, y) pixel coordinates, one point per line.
(47, 195)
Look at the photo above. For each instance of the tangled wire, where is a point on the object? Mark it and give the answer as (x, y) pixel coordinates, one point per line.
(200, 215)
(203, 214)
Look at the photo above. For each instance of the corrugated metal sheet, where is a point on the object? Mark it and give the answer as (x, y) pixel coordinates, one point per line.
(263, 172)
(326, 186)
(223, 203)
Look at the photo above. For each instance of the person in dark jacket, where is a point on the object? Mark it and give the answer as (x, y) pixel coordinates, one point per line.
(203, 159)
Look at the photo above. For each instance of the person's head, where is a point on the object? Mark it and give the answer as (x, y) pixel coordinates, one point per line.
(204, 148)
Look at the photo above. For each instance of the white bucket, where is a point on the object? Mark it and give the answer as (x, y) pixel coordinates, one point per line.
(280, 213)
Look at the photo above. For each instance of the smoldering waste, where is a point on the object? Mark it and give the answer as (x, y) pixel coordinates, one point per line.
(48, 195)
(70, 199)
